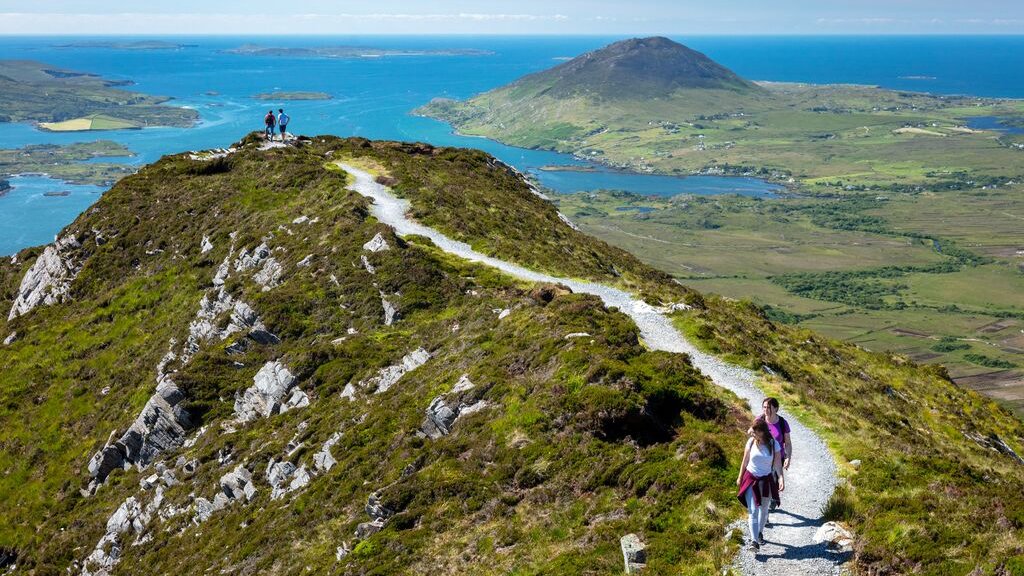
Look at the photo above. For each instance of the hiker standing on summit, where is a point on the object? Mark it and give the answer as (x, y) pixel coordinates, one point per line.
(269, 121)
(282, 122)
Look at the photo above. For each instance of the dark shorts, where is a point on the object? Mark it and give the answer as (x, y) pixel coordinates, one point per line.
(283, 128)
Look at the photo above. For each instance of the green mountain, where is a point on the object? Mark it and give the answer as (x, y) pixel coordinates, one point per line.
(227, 364)
(640, 67)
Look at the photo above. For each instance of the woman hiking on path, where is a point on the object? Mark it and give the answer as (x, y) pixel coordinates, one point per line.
(758, 487)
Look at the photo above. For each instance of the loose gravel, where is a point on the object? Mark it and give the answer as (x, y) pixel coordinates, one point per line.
(790, 549)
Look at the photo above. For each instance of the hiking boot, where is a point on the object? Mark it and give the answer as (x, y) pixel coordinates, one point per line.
(760, 540)
(754, 546)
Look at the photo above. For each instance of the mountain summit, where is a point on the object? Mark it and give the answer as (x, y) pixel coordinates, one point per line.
(649, 67)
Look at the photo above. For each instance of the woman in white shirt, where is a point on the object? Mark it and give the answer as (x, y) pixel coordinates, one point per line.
(757, 484)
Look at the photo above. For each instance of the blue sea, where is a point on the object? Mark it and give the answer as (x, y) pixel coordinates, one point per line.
(372, 97)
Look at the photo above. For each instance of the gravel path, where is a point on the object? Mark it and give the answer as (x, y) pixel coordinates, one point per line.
(790, 548)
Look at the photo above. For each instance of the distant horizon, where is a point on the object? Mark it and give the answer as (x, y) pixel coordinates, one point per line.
(512, 35)
(532, 17)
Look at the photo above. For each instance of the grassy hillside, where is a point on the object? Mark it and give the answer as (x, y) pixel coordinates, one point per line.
(581, 440)
(924, 443)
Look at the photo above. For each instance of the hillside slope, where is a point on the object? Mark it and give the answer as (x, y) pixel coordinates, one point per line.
(321, 395)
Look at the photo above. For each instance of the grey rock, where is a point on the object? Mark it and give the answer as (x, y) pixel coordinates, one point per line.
(269, 275)
(162, 425)
(203, 510)
(366, 264)
(168, 478)
(462, 385)
(367, 529)
(835, 537)
(439, 420)
(10, 338)
(376, 244)
(305, 261)
(205, 246)
(375, 508)
(220, 501)
(300, 479)
(324, 460)
(634, 553)
(266, 396)
(387, 377)
(251, 260)
(48, 280)
(390, 312)
(236, 484)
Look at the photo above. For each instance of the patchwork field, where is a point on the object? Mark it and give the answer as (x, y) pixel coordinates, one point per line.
(934, 277)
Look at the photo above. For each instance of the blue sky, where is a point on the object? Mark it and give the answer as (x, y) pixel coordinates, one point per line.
(520, 17)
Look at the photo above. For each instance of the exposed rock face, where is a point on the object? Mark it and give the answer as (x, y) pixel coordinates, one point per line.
(324, 460)
(444, 410)
(387, 377)
(270, 274)
(266, 396)
(284, 477)
(238, 484)
(49, 279)
(379, 515)
(634, 552)
(390, 312)
(162, 425)
(205, 246)
(366, 264)
(376, 244)
(130, 516)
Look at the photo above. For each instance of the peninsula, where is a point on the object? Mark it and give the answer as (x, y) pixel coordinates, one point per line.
(78, 101)
(902, 211)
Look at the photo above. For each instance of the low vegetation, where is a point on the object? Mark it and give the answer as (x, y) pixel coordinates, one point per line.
(582, 440)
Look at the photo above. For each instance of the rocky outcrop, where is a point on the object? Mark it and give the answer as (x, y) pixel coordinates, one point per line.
(376, 244)
(49, 279)
(285, 477)
(378, 514)
(323, 460)
(634, 553)
(444, 410)
(387, 377)
(162, 425)
(130, 517)
(390, 311)
(273, 392)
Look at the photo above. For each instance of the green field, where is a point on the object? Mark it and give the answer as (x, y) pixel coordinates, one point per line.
(91, 122)
(887, 270)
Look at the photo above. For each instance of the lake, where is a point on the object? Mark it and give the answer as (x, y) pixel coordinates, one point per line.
(372, 97)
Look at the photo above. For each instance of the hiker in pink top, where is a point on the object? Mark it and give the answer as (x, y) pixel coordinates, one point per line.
(779, 429)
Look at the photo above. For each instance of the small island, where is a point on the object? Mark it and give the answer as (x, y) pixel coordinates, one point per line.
(80, 101)
(288, 96)
(139, 45)
(66, 163)
(346, 52)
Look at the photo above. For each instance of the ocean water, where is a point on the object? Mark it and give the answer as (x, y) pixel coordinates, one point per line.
(372, 97)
